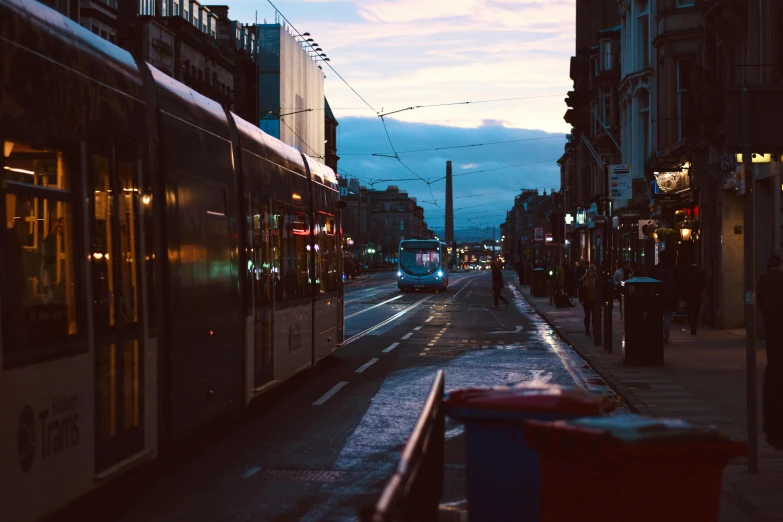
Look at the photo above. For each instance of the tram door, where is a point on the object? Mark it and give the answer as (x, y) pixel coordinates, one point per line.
(116, 287)
(262, 281)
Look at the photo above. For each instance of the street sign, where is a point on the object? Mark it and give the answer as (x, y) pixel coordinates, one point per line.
(620, 182)
(667, 199)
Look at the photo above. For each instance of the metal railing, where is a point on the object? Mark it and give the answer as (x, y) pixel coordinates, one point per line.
(414, 491)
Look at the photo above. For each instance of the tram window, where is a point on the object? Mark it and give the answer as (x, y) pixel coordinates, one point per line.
(38, 246)
(103, 256)
(128, 196)
(290, 259)
(260, 267)
(326, 254)
(39, 167)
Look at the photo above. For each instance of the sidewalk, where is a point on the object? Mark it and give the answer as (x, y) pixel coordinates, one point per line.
(702, 381)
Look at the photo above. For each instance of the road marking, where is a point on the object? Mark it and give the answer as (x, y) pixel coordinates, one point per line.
(406, 336)
(391, 347)
(249, 473)
(366, 365)
(387, 321)
(517, 330)
(328, 395)
(417, 328)
(430, 318)
(373, 306)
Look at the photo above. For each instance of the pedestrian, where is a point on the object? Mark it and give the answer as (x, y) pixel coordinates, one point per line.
(581, 269)
(520, 271)
(497, 283)
(694, 281)
(587, 295)
(666, 272)
(769, 295)
(569, 279)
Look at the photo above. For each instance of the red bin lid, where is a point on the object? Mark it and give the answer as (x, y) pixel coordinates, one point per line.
(531, 397)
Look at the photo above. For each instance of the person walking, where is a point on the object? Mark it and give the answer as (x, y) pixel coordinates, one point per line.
(769, 296)
(520, 272)
(694, 281)
(587, 295)
(497, 283)
(666, 272)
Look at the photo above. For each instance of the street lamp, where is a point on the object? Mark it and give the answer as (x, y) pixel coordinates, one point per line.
(685, 232)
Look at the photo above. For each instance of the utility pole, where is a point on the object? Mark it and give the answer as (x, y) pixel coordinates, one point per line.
(608, 293)
(749, 179)
(449, 232)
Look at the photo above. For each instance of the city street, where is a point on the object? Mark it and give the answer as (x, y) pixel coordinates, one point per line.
(321, 446)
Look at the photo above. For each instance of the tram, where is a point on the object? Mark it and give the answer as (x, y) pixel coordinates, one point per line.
(162, 263)
(422, 264)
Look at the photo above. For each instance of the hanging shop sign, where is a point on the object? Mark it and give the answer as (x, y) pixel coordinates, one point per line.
(674, 181)
(581, 218)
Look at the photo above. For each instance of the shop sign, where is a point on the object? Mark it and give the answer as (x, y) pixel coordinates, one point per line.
(667, 199)
(672, 181)
(620, 182)
(539, 234)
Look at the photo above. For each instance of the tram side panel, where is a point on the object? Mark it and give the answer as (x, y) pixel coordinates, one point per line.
(58, 405)
(204, 347)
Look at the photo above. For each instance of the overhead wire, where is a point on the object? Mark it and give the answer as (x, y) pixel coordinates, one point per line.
(454, 146)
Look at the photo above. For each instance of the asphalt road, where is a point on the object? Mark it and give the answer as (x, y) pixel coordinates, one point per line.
(322, 445)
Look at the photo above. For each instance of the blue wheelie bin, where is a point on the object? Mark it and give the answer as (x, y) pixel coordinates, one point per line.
(503, 478)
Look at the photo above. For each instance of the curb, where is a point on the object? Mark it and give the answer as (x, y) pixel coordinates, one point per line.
(634, 405)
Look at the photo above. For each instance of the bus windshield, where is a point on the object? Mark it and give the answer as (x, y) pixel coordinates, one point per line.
(420, 258)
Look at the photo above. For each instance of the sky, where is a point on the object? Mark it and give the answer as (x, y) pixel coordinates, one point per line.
(402, 53)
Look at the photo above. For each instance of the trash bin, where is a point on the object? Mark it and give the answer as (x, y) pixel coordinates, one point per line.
(642, 321)
(630, 467)
(502, 471)
(538, 284)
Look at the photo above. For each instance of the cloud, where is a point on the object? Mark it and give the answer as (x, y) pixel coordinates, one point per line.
(486, 178)
(402, 53)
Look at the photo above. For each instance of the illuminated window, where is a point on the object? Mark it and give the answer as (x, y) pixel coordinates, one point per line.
(40, 277)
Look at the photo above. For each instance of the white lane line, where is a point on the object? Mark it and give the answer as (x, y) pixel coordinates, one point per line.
(373, 306)
(384, 323)
(430, 318)
(366, 365)
(328, 395)
(407, 336)
(249, 473)
(417, 328)
(391, 347)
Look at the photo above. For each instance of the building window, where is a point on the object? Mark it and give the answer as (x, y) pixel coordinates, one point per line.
(684, 104)
(685, 3)
(607, 55)
(595, 67)
(644, 33)
(402, 224)
(594, 116)
(644, 122)
(607, 109)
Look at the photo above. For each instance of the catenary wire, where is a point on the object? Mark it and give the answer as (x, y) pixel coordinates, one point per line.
(454, 146)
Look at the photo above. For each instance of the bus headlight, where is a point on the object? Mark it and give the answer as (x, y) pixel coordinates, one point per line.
(440, 273)
(399, 274)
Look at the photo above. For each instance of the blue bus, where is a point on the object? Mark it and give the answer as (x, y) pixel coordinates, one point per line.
(422, 264)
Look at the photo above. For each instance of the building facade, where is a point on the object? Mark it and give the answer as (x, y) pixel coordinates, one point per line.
(375, 221)
(679, 60)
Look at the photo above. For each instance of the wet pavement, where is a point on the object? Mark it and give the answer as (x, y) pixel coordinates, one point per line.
(323, 445)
